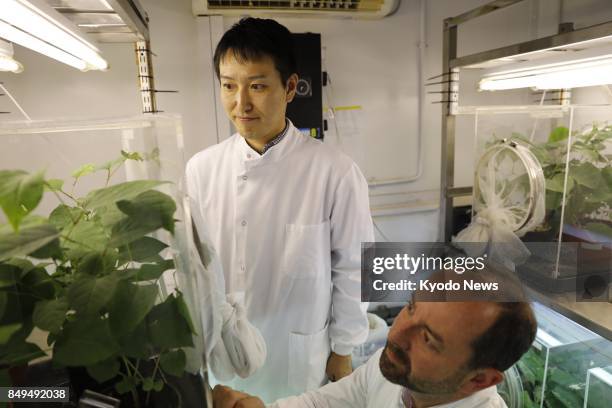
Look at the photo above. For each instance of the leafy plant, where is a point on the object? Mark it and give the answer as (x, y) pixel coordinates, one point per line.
(589, 177)
(88, 274)
(565, 371)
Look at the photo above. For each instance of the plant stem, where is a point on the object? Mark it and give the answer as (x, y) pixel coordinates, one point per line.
(111, 173)
(178, 394)
(153, 378)
(126, 362)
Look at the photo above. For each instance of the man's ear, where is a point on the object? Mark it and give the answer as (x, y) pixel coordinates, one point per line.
(481, 379)
(291, 87)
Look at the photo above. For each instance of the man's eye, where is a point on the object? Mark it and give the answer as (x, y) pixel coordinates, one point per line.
(429, 341)
(258, 87)
(227, 86)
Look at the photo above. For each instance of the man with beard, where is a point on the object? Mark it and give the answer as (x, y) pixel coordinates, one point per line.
(438, 354)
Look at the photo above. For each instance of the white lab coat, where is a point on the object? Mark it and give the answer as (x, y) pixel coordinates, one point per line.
(287, 226)
(367, 388)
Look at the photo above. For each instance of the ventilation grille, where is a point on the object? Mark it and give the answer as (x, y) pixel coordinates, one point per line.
(296, 5)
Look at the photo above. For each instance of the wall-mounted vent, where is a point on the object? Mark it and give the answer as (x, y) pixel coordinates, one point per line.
(329, 8)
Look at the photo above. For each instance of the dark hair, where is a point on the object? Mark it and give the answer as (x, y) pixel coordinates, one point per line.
(252, 39)
(503, 344)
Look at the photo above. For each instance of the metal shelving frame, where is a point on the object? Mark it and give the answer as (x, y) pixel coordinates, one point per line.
(452, 64)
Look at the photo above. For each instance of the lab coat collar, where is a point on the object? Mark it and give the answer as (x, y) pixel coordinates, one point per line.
(482, 398)
(251, 158)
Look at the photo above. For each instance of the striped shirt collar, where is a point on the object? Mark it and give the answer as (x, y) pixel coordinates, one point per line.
(277, 139)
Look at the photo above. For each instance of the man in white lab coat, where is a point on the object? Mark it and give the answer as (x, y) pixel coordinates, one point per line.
(287, 215)
(438, 354)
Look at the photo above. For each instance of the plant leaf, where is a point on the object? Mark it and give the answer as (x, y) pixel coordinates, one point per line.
(128, 230)
(26, 241)
(20, 193)
(556, 183)
(150, 208)
(184, 311)
(21, 353)
(173, 362)
(7, 331)
(158, 386)
(145, 249)
(9, 275)
(49, 315)
(167, 328)
(148, 272)
(137, 343)
(54, 184)
(104, 370)
(38, 282)
(87, 295)
(123, 191)
(130, 305)
(86, 237)
(587, 175)
(126, 385)
(147, 384)
(3, 302)
(84, 342)
(84, 170)
(63, 216)
(131, 156)
(96, 263)
(558, 134)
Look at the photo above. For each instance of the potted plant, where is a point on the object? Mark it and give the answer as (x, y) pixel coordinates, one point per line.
(89, 275)
(589, 179)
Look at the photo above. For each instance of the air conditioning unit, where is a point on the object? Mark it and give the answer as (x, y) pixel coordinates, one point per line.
(363, 9)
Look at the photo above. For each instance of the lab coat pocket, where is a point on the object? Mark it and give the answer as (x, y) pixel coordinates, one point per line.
(307, 250)
(308, 354)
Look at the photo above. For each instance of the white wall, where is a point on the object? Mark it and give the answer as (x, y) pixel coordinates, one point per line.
(372, 63)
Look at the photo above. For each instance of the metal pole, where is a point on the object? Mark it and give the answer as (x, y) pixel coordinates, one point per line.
(145, 77)
(450, 90)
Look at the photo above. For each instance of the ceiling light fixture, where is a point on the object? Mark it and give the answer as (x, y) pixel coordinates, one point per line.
(589, 67)
(36, 25)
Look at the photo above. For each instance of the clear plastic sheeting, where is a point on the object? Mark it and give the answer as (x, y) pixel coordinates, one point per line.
(91, 154)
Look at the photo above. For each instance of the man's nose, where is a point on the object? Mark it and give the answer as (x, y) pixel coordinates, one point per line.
(243, 101)
(406, 337)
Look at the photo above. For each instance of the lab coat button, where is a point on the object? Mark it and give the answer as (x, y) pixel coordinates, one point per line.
(245, 177)
(242, 268)
(243, 223)
(248, 155)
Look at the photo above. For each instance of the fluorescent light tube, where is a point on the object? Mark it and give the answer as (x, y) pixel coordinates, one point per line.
(39, 20)
(567, 69)
(17, 36)
(574, 75)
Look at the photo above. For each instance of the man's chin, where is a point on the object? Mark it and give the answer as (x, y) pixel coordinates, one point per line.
(392, 372)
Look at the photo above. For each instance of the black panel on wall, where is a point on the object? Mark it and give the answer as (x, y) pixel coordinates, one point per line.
(306, 109)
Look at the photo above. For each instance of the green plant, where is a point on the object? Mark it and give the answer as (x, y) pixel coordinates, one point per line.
(589, 177)
(88, 274)
(564, 385)
(564, 371)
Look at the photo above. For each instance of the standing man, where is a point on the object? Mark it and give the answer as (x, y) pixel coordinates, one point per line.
(287, 215)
